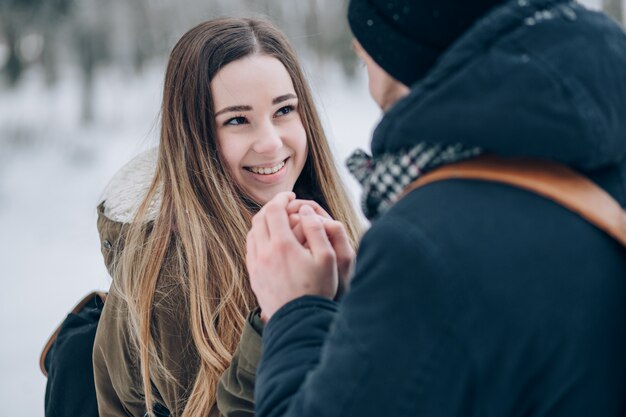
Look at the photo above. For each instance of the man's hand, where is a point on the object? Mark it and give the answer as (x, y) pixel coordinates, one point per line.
(337, 236)
(281, 269)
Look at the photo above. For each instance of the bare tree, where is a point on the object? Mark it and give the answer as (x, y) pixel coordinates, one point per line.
(143, 42)
(18, 17)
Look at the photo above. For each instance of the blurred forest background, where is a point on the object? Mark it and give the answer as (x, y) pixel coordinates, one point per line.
(80, 89)
(128, 34)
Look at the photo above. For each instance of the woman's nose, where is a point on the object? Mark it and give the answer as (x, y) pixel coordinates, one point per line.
(268, 139)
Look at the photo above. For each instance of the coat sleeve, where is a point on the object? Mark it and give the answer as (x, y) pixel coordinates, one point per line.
(235, 392)
(390, 348)
(117, 379)
(119, 387)
(116, 376)
(174, 345)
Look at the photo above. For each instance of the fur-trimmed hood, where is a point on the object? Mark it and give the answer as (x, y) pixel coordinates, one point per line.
(120, 201)
(126, 190)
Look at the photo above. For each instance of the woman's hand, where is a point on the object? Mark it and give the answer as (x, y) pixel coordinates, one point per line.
(281, 269)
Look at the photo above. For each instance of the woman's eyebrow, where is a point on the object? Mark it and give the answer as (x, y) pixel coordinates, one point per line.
(284, 97)
(233, 109)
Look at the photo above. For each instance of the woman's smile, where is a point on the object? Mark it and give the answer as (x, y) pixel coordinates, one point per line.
(268, 173)
(267, 169)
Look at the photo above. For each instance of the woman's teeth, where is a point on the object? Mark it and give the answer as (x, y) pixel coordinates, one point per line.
(268, 170)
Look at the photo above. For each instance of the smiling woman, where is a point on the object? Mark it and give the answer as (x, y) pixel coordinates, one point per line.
(238, 127)
(259, 130)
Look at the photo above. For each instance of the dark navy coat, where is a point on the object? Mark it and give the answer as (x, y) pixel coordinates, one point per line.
(474, 298)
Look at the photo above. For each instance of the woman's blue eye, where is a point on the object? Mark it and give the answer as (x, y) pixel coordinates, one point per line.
(239, 120)
(285, 110)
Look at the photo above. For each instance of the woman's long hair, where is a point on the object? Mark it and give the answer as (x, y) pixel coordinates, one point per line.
(204, 216)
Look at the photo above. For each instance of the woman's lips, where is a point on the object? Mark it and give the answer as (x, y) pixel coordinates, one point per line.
(267, 170)
(274, 172)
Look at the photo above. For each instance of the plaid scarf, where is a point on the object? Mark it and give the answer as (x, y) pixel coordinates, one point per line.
(384, 177)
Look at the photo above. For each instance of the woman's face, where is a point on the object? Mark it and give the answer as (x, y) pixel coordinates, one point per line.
(259, 131)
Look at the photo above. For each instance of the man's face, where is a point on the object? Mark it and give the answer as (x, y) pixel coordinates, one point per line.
(384, 89)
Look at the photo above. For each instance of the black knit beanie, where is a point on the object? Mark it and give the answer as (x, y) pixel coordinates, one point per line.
(407, 37)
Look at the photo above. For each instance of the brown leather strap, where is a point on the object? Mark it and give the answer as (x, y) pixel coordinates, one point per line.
(548, 179)
(81, 304)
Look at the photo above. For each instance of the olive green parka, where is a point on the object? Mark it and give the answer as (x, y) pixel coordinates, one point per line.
(119, 388)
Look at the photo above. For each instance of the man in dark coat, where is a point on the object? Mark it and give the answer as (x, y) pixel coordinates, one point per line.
(469, 298)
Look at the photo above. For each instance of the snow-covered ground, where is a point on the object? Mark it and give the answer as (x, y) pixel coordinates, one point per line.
(52, 172)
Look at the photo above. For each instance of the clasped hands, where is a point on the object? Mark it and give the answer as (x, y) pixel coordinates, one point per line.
(295, 248)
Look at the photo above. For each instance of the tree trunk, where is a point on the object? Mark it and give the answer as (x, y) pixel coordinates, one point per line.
(49, 56)
(87, 51)
(143, 42)
(14, 66)
(615, 9)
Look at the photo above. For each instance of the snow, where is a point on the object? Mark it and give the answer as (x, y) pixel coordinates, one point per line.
(53, 172)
